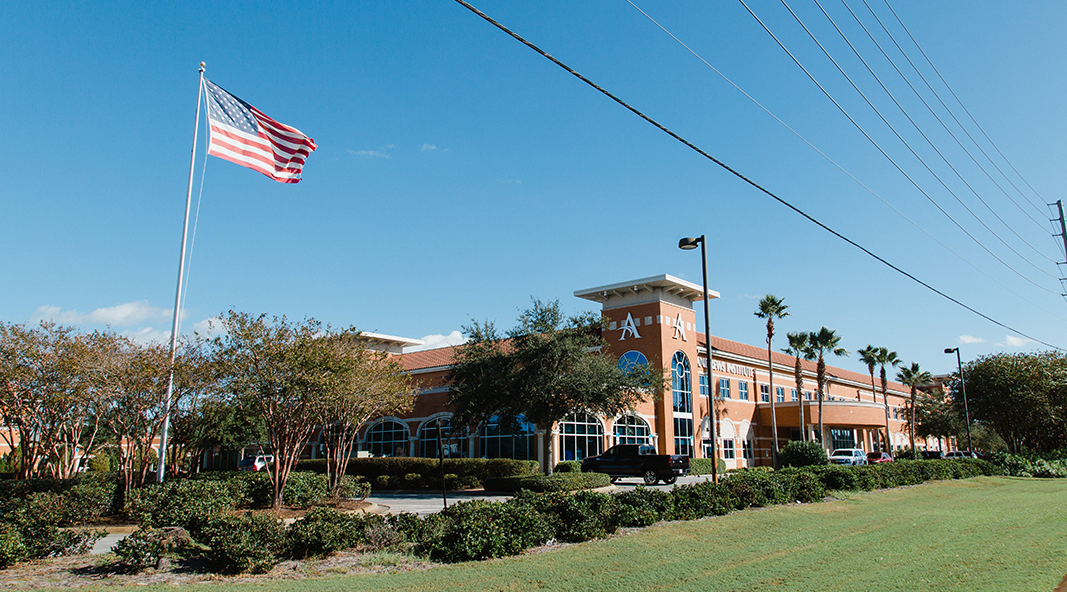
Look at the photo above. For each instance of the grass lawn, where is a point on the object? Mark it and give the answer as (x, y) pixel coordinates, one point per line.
(980, 534)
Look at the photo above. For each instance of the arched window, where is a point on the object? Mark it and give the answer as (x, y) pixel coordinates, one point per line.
(630, 429)
(453, 444)
(681, 383)
(631, 359)
(520, 443)
(388, 438)
(580, 435)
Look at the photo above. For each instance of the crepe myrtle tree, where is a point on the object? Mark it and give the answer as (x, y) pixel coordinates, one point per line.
(544, 369)
(285, 370)
(372, 385)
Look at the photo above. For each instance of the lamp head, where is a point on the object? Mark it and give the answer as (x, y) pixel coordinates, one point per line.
(689, 243)
(951, 350)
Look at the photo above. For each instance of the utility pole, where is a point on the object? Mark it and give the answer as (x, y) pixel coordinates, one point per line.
(1062, 234)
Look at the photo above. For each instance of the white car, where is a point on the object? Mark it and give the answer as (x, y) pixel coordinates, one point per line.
(258, 463)
(848, 456)
(960, 454)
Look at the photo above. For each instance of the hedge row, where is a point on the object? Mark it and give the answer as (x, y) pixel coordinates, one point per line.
(393, 473)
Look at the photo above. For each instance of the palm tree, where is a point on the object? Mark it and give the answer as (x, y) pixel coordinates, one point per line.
(822, 342)
(770, 308)
(798, 348)
(914, 377)
(884, 356)
(869, 356)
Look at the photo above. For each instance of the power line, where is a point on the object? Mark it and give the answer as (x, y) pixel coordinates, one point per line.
(877, 146)
(840, 168)
(930, 142)
(755, 185)
(965, 110)
(947, 109)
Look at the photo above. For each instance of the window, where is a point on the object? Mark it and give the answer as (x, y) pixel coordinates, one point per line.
(742, 390)
(630, 429)
(704, 385)
(388, 438)
(793, 394)
(681, 385)
(728, 449)
(580, 435)
(632, 359)
(807, 395)
(518, 442)
(724, 388)
(842, 439)
(765, 393)
(779, 394)
(746, 449)
(683, 436)
(452, 444)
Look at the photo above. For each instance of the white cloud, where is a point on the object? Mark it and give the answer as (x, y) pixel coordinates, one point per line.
(148, 335)
(965, 339)
(426, 147)
(122, 315)
(1013, 341)
(208, 327)
(381, 153)
(436, 341)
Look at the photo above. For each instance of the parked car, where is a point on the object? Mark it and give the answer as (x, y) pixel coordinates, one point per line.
(848, 456)
(932, 455)
(961, 454)
(637, 460)
(878, 457)
(257, 463)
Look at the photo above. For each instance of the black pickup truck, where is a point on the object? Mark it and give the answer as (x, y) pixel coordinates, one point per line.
(638, 460)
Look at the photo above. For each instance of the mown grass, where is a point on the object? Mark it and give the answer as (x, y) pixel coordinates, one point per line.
(986, 533)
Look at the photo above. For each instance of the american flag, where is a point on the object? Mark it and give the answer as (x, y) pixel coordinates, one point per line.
(242, 134)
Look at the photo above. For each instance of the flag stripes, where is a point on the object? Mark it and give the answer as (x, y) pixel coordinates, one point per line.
(244, 135)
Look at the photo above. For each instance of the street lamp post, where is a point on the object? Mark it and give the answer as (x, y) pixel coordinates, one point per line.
(963, 390)
(687, 244)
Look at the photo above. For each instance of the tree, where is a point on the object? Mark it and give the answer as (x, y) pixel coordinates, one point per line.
(372, 385)
(1023, 397)
(820, 343)
(547, 368)
(771, 307)
(799, 347)
(285, 370)
(883, 356)
(914, 377)
(869, 356)
(47, 397)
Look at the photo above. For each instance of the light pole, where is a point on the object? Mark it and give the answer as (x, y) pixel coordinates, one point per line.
(963, 390)
(687, 244)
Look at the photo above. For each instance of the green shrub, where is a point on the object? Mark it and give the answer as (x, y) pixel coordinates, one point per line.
(250, 543)
(542, 483)
(480, 530)
(305, 489)
(412, 481)
(12, 549)
(463, 468)
(569, 466)
(644, 506)
(577, 517)
(798, 453)
(67, 502)
(838, 477)
(182, 502)
(702, 499)
(141, 549)
(801, 485)
(322, 532)
(353, 488)
(703, 466)
(755, 488)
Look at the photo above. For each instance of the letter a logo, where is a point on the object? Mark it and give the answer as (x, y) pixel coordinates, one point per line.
(679, 328)
(629, 326)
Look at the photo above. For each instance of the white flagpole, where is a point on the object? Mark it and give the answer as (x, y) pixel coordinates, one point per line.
(161, 465)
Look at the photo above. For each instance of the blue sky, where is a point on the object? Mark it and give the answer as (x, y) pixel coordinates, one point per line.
(459, 174)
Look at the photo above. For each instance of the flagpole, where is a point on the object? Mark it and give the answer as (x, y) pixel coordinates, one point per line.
(161, 465)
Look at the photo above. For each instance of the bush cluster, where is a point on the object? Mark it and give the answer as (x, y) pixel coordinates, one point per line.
(799, 453)
(392, 473)
(542, 483)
